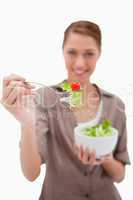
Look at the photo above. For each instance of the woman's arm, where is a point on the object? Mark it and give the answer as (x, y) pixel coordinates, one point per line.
(15, 98)
(113, 168)
(29, 156)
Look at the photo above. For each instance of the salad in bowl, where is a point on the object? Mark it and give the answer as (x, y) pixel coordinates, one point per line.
(101, 137)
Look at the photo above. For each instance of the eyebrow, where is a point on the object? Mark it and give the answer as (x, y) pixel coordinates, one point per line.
(90, 50)
(86, 50)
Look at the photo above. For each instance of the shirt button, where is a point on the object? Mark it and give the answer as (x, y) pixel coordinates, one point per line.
(87, 195)
(85, 173)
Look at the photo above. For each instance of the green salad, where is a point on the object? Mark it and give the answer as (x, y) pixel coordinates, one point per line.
(66, 86)
(104, 129)
(75, 93)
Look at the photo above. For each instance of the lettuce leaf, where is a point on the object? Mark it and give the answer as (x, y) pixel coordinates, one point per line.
(104, 129)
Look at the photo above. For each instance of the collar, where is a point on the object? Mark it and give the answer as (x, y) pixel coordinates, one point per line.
(103, 92)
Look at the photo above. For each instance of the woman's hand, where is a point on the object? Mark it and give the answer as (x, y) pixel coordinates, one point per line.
(18, 98)
(88, 157)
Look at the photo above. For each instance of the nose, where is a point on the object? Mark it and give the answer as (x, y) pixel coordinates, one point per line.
(80, 62)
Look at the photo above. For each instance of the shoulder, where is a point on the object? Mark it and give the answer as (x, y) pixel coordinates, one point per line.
(112, 99)
(114, 108)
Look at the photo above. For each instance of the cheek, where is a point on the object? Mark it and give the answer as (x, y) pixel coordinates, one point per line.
(92, 62)
(92, 65)
(69, 63)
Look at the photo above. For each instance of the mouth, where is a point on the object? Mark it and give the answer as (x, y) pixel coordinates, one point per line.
(79, 72)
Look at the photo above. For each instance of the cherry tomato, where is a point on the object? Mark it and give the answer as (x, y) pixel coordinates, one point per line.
(75, 86)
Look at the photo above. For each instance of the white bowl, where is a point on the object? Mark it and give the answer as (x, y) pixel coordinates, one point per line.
(103, 145)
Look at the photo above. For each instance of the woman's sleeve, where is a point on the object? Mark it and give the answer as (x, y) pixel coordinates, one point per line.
(121, 151)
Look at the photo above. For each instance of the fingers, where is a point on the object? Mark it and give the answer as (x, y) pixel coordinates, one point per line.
(15, 95)
(11, 77)
(15, 84)
(92, 158)
(82, 153)
(78, 151)
(87, 156)
(82, 150)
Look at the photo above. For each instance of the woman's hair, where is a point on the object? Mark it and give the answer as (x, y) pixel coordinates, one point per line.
(84, 28)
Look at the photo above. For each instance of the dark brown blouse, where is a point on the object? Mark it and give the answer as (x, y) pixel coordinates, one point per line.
(67, 178)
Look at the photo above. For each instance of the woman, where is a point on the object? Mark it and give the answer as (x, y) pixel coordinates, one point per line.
(72, 171)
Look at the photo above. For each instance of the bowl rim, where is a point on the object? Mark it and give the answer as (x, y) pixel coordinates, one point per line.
(96, 137)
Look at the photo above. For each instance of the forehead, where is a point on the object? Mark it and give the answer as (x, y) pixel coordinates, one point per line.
(76, 40)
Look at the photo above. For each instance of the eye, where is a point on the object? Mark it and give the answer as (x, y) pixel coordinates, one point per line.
(71, 52)
(89, 54)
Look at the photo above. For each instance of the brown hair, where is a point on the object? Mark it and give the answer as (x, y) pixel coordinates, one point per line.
(85, 28)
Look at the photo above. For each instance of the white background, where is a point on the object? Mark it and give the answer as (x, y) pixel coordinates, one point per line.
(31, 34)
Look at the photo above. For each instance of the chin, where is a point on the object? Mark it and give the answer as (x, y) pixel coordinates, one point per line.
(82, 79)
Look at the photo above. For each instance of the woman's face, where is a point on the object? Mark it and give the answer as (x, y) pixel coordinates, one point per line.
(81, 54)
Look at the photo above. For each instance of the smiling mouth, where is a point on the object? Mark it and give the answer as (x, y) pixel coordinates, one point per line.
(79, 71)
